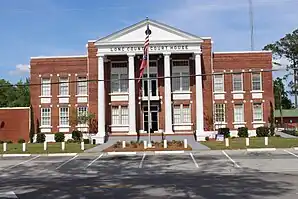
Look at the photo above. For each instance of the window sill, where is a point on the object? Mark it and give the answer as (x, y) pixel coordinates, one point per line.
(219, 92)
(124, 93)
(63, 96)
(238, 123)
(82, 126)
(45, 96)
(238, 92)
(119, 125)
(45, 127)
(183, 124)
(181, 92)
(260, 91)
(85, 95)
(258, 122)
(64, 126)
(220, 123)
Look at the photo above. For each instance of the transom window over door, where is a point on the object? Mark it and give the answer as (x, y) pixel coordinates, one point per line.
(180, 74)
(119, 77)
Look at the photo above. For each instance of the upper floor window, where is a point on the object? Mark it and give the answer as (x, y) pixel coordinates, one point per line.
(219, 113)
(82, 86)
(218, 82)
(45, 116)
(45, 87)
(63, 86)
(237, 82)
(119, 77)
(180, 73)
(182, 114)
(256, 81)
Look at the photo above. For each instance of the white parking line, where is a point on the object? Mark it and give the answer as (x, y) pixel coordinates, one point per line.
(230, 159)
(21, 163)
(94, 161)
(291, 153)
(67, 161)
(193, 159)
(141, 163)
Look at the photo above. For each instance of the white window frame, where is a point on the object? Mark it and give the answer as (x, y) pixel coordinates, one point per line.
(81, 84)
(64, 83)
(46, 85)
(119, 71)
(45, 116)
(79, 111)
(241, 75)
(254, 119)
(224, 113)
(180, 69)
(181, 114)
(223, 83)
(236, 116)
(261, 84)
(61, 117)
(119, 113)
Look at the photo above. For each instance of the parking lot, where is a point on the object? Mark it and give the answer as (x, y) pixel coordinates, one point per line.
(206, 174)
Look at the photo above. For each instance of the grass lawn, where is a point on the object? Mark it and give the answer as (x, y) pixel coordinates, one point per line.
(259, 142)
(37, 148)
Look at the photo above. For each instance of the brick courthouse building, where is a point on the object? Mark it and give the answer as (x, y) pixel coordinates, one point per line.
(239, 95)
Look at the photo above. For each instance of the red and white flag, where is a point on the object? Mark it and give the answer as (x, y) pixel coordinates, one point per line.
(145, 54)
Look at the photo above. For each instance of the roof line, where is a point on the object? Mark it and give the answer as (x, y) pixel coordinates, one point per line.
(7, 108)
(229, 52)
(66, 56)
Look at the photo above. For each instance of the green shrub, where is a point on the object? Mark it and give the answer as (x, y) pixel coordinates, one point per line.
(243, 132)
(277, 135)
(1, 142)
(77, 135)
(20, 141)
(40, 138)
(207, 138)
(9, 142)
(224, 131)
(86, 141)
(59, 137)
(262, 131)
(71, 141)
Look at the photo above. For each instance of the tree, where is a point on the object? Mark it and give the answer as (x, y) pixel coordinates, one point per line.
(280, 95)
(287, 48)
(83, 118)
(32, 127)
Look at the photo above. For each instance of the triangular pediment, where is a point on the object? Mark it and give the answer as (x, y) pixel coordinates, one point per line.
(159, 33)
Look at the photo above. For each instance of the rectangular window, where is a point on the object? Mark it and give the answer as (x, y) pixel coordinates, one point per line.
(219, 112)
(182, 114)
(119, 115)
(82, 86)
(257, 112)
(63, 86)
(256, 81)
(119, 77)
(238, 113)
(82, 113)
(64, 116)
(45, 117)
(180, 74)
(237, 82)
(218, 83)
(45, 87)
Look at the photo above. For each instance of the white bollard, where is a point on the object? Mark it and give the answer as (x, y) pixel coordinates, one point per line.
(123, 144)
(247, 141)
(4, 146)
(165, 144)
(63, 146)
(266, 141)
(24, 147)
(227, 142)
(145, 144)
(45, 146)
(82, 146)
(185, 143)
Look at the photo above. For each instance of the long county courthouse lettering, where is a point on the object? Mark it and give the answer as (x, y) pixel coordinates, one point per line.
(182, 101)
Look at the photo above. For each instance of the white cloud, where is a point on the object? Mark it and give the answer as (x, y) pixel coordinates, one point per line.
(21, 69)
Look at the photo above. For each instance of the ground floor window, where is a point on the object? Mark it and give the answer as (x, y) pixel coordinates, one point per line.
(45, 116)
(182, 114)
(238, 113)
(257, 112)
(82, 113)
(64, 116)
(219, 113)
(119, 115)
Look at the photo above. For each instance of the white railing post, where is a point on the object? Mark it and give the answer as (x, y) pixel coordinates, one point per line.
(24, 147)
(82, 146)
(165, 144)
(266, 141)
(145, 144)
(227, 142)
(185, 143)
(123, 144)
(63, 146)
(4, 146)
(45, 145)
(247, 141)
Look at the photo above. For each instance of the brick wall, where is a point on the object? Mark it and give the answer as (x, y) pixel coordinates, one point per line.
(14, 124)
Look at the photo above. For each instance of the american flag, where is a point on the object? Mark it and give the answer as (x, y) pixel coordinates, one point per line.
(145, 53)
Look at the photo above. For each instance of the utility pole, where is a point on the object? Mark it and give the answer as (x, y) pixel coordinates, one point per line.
(251, 25)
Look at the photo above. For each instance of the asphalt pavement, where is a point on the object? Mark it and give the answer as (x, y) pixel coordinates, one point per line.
(206, 174)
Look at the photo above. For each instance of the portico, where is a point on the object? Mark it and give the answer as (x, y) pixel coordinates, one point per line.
(167, 93)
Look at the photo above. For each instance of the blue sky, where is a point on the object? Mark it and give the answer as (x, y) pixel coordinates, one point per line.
(62, 27)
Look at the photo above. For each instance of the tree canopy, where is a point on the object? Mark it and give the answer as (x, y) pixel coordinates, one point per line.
(17, 95)
(280, 95)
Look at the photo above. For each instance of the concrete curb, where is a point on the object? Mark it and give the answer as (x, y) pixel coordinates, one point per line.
(49, 154)
(16, 155)
(295, 148)
(261, 149)
(122, 153)
(169, 152)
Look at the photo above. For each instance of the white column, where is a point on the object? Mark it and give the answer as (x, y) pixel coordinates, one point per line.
(199, 95)
(101, 101)
(132, 95)
(168, 98)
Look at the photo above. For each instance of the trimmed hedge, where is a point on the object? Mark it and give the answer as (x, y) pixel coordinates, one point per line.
(20, 141)
(40, 138)
(59, 137)
(77, 135)
(86, 141)
(243, 132)
(224, 131)
(263, 131)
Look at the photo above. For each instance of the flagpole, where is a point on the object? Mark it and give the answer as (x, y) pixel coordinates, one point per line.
(148, 92)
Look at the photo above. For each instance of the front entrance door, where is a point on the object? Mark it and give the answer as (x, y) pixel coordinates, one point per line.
(154, 118)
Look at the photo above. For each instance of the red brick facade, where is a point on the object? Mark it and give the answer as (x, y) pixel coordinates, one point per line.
(14, 124)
